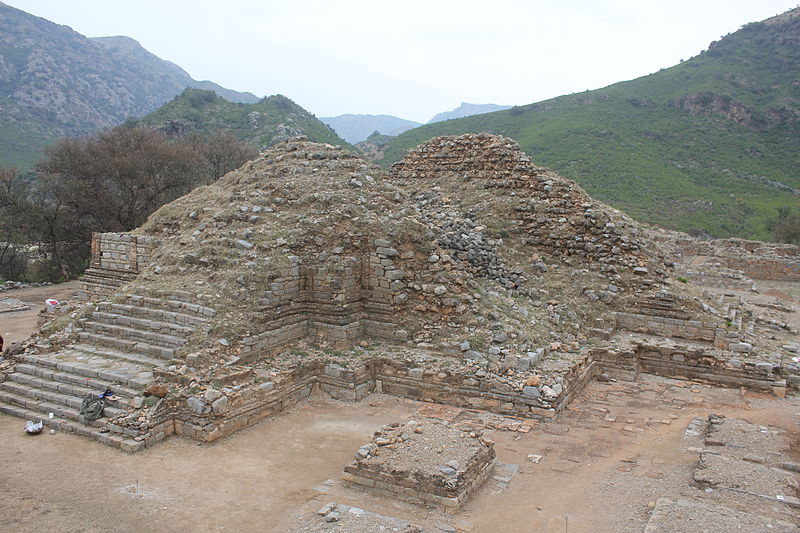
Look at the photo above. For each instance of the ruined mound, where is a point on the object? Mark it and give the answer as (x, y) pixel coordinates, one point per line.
(310, 240)
(465, 276)
(539, 207)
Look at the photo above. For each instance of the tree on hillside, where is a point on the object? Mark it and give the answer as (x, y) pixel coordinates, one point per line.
(114, 180)
(787, 225)
(221, 151)
(12, 227)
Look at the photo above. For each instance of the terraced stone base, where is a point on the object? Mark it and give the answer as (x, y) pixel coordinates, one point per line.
(119, 349)
(427, 463)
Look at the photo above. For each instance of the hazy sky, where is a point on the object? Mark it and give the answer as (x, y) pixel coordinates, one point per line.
(412, 58)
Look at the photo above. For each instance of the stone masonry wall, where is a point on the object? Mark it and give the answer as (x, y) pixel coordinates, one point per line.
(555, 213)
(208, 421)
(341, 304)
(121, 251)
(757, 260)
(691, 363)
(117, 258)
(676, 328)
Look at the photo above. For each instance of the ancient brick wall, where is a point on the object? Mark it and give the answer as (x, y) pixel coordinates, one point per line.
(121, 251)
(556, 214)
(117, 258)
(384, 375)
(340, 304)
(692, 363)
(667, 327)
(757, 260)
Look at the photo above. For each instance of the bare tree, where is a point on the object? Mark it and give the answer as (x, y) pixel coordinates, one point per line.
(13, 230)
(221, 151)
(114, 180)
(111, 181)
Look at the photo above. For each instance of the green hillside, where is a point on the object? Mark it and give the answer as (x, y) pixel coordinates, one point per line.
(265, 123)
(711, 145)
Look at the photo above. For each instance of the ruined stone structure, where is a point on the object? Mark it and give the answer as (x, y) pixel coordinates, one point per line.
(117, 258)
(662, 315)
(552, 213)
(757, 260)
(119, 347)
(341, 305)
(401, 460)
(467, 276)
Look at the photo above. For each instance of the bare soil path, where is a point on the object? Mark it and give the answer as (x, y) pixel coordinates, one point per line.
(19, 325)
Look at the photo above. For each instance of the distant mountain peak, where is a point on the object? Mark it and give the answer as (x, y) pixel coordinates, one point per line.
(467, 110)
(355, 128)
(263, 123)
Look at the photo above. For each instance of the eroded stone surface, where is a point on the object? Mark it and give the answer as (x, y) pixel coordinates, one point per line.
(427, 462)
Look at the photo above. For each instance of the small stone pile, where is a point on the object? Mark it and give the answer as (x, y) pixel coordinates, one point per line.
(14, 285)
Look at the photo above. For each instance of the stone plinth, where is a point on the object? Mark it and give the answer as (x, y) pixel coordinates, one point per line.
(424, 462)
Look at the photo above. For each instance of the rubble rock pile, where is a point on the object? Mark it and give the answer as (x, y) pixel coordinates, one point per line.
(742, 461)
(545, 210)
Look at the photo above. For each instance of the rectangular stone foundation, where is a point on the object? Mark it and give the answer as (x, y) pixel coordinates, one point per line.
(399, 460)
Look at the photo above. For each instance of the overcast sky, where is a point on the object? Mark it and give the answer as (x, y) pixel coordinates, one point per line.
(412, 58)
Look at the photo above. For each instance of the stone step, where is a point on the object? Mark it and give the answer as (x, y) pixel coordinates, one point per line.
(87, 350)
(171, 305)
(162, 315)
(60, 424)
(44, 406)
(142, 324)
(160, 352)
(107, 374)
(50, 397)
(24, 372)
(72, 389)
(133, 334)
(114, 278)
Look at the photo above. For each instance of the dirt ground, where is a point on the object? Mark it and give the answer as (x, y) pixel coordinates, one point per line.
(20, 325)
(596, 474)
(607, 459)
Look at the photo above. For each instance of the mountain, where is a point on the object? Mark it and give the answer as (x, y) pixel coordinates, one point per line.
(264, 123)
(355, 128)
(467, 110)
(709, 146)
(56, 82)
(128, 51)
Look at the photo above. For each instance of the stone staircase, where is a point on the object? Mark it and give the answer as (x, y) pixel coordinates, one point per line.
(105, 282)
(117, 348)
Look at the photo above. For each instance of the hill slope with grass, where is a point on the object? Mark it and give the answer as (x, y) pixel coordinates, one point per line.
(265, 123)
(709, 146)
(56, 82)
